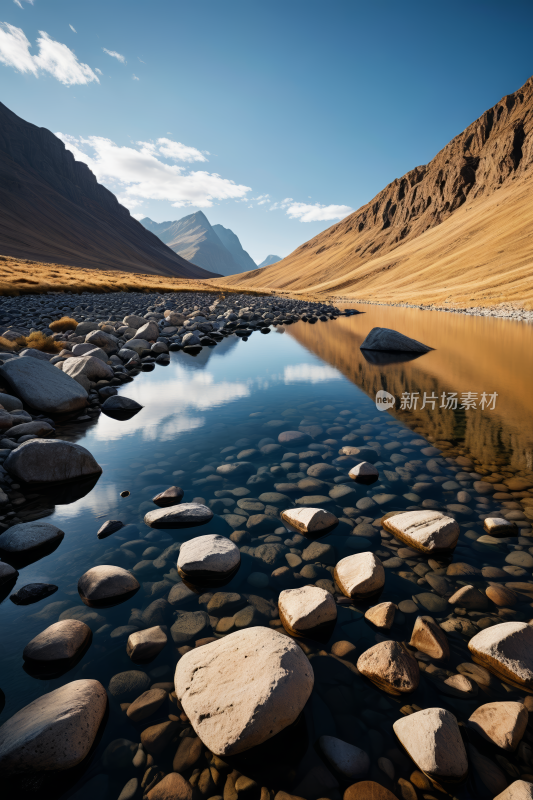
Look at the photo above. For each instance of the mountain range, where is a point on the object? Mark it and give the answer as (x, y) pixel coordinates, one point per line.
(53, 209)
(269, 260)
(455, 230)
(212, 247)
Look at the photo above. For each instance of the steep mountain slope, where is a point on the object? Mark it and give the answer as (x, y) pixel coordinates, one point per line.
(193, 238)
(458, 229)
(53, 209)
(232, 243)
(270, 260)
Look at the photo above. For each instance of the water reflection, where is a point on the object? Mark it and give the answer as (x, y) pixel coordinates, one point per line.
(472, 354)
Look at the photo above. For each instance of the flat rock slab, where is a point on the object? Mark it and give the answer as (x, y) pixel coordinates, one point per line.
(54, 732)
(40, 461)
(29, 536)
(497, 526)
(106, 584)
(429, 638)
(506, 650)
(360, 576)
(424, 531)
(391, 667)
(60, 642)
(43, 387)
(306, 609)
(310, 520)
(432, 739)
(243, 689)
(503, 723)
(391, 341)
(185, 515)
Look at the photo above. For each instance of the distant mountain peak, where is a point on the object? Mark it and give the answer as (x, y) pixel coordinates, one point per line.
(270, 260)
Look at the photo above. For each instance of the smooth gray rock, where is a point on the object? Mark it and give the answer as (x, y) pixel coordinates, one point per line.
(37, 428)
(31, 352)
(106, 341)
(32, 593)
(393, 342)
(42, 386)
(83, 348)
(54, 732)
(7, 573)
(86, 327)
(9, 402)
(106, 583)
(138, 345)
(212, 554)
(126, 686)
(50, 461)
(145, 645)
(185, 515)
(134, 321)
(29, 536)
(148, 331)
(86, 369)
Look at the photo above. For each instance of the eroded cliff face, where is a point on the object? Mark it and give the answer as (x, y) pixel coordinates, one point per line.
(52, 208)
(491, 154)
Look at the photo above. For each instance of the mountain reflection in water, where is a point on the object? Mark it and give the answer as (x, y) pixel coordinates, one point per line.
(472, 354)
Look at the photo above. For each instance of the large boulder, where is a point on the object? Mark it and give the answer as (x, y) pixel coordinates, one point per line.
(506, 650)
(43, 387)
(54, 732)
(392, 342)
(243, 689)
(86, 369)
(425, 531)
(518, 790)
(48, 461)
(432, 739)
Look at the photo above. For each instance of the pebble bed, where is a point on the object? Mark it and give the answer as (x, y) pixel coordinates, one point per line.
(131, 758)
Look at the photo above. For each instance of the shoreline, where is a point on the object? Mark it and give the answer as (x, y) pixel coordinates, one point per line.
(500, 311)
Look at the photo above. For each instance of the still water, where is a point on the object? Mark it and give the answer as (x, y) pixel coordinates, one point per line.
(202, 412)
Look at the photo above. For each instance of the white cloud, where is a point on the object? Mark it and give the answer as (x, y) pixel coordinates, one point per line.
(114, 54)
(306, 212)
(72, 28)
(138, 173)
(53, 57)
(179, 152)
(19, 4)
(99, 71)
(310, 373)
(135, 78)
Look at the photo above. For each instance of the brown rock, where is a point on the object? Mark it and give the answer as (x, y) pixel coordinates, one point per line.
(425, 531)
(429, 638)
(506, 650)
(61, 641)
(503, 723)
(470, 598)
(345, 650)
(366, 790)
(172, 787)
(187, 754)
(420, 780)
(390, 667)
(382, 615)
(519, 790)
(170, 497)
(433, 740)
(156, 738)
(146, 704)
(502, 596)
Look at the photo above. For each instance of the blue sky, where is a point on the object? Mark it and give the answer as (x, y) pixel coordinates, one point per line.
(276, 118)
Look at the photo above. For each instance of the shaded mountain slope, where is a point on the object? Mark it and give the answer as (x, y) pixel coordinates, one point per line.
(232, 243)
(459, 227)
(193, 238)
(53, 209)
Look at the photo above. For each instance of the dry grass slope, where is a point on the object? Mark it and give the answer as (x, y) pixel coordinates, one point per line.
(457, 231)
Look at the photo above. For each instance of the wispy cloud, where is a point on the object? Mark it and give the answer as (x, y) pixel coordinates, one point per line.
(306, 212)
(99, 71)
(19, 4)
(138, 173)
(114, 54)
(72, 28)
(135, 78)
(53, 57)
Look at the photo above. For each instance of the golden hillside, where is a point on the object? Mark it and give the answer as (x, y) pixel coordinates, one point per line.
(456, 231)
